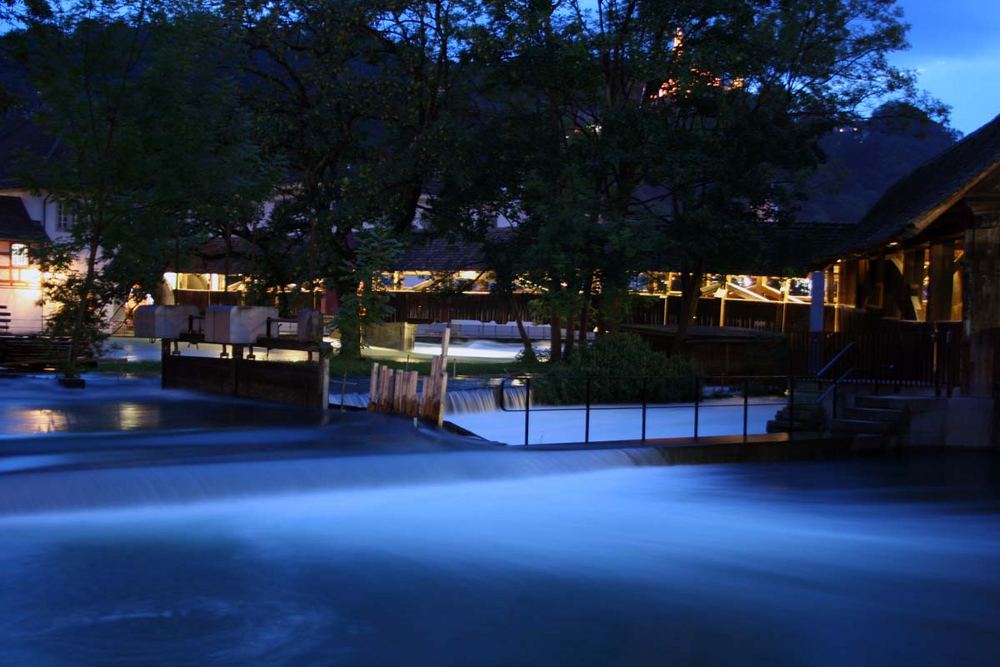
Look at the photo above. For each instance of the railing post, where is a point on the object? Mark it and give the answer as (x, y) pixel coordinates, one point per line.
(835, 389)
(791, 407)
(697, 400)
(936, 360)
(947, 363)
(644, 408)
(746, 406)
(586, 426)
(527, 408)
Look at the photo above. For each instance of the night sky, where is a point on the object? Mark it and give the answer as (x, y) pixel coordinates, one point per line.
(956, 49)
(955, 46)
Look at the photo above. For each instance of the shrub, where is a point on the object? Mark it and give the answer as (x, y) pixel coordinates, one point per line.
(620, 369)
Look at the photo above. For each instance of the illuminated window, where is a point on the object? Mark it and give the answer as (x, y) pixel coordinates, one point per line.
(18, 254)
(65, 219)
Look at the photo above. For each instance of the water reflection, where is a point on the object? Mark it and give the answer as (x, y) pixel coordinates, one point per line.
(33, 405)
(35, 420)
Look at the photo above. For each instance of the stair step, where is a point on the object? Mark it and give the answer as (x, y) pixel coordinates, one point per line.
(807, 395)
(862, 426)
(898, 402)
(810, 385)
(876, 414)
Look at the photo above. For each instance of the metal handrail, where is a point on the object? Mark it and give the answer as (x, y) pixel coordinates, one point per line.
(833, 386)
(835, 359)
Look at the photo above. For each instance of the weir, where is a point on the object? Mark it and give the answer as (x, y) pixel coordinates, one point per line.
(237, 371)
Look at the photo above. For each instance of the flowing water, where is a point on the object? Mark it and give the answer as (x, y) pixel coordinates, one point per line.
(283, 537)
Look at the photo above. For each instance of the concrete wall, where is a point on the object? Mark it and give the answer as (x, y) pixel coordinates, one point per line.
(959, 421)
(303, 383)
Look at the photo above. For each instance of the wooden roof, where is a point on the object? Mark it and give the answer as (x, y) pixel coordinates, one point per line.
(439, 254)
(918, 199)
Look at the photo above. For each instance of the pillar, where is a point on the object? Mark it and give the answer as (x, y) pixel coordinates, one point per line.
(816, 301)
(722, 304)
(817, 293)
(941, 286)
(982, 299)
(913, 277)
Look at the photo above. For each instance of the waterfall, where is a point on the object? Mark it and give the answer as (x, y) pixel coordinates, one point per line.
(484, 400)
(151, 483)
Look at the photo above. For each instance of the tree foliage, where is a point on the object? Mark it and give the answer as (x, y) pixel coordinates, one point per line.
(149, 148)
(606, 137)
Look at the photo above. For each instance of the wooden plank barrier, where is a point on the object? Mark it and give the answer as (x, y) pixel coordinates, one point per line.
(395, 391)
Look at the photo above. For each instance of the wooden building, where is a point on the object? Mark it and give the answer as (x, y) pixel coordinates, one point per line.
(929, 252)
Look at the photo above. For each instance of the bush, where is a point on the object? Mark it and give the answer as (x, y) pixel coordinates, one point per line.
(620, 369)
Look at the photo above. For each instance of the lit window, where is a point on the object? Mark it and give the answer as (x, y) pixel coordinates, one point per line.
(18, 254)
(65, 219)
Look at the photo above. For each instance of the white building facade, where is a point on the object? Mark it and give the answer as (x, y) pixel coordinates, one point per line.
(25, 219)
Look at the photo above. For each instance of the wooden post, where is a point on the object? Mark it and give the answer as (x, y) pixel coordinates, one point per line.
(722, 305)
(445, 339)
(442, 387)
(411, 394)
(913, 277)
(397, 392)
(786, 287)
(442, 394)
(385, 397)
(941, 281)
(373, 387)
(981, 299)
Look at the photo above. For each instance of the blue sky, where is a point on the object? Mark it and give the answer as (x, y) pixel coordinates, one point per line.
(955, 47)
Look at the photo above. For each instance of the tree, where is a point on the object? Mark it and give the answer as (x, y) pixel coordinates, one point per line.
(146, 143)
(310, 84)
(355, 98)
(740, 95)
(677, 131)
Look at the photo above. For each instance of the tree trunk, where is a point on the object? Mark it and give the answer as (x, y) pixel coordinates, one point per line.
(584, 312)
(348, 318)
(555, 323)
(690, 294)
(529, 350)
(570, 326)
(83, 305)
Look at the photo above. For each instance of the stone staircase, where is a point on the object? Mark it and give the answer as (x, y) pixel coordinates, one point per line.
(869, 416)
(878, 415)
(807, 415)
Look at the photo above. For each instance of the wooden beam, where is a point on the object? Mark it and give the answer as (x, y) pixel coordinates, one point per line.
(941, 286)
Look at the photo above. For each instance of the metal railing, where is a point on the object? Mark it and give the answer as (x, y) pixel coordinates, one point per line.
(644, 401)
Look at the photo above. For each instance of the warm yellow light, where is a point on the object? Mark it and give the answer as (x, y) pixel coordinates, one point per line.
(31, 276)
